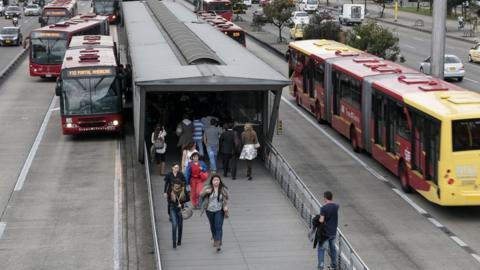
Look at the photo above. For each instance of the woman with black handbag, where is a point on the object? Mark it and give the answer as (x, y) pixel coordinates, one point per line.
(177, 197)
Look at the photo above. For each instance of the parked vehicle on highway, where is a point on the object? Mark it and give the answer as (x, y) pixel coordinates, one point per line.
(10, 35)
(352, 14)
(248, 3)
(296, 31)
(308, 5)
(300, 17)
(32, 10)
(422, 129)
(453, 67)
(13, 11)
(474, 53)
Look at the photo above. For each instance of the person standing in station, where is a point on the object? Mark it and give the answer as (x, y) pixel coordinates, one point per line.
(215, 202)
(159, 146)
(184, 132)
(227, 148)
(195, 172)
(177, 197)
(187, 152)
(198, 134)
(329, 219)
(250, 145)
(211, 140)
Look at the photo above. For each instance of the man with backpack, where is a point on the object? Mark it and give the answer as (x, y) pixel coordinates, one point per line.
(326, 224)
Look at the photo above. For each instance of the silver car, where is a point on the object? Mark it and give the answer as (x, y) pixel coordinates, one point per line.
(453, 67)
(32, 10)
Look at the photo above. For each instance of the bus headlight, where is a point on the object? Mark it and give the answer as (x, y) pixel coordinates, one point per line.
(70, 125)
(114, 123)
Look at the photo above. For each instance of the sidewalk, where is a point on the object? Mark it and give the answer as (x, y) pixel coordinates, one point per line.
(410, 20)
(263, 232)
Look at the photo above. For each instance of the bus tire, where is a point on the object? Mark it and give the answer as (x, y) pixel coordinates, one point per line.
(403, 175)
(354, 140)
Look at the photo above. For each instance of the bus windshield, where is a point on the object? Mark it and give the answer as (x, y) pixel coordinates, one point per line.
(104, 7)
(48, 51)
(55, 19)
(219, 6)
(92, 95)
(466, 135)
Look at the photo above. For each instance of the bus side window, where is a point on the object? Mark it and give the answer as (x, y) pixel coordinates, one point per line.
(319, 74)
(402, 123)
(336, 92)
(356, 96)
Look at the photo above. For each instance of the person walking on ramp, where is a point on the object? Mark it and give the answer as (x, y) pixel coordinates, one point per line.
(177, 197)
(196, 174)
(329, 222)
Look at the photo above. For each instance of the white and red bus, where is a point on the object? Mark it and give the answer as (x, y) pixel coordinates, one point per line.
(90, 86)
(49, 43)
(422, 129)
(110, 8)
(228, 28)
(58, 10)
(220, 7)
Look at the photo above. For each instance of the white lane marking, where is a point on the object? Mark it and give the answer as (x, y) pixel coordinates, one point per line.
(476, 257)
(470, 80)
(417, 38)
(409, 201)
(408, 46)
(368, 168)
(435, 222)
(56, 109)
(459, 241)
(2, 228)
(34, 148)
(117, 218)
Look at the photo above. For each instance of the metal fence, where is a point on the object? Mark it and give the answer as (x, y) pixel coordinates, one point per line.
(306, 204)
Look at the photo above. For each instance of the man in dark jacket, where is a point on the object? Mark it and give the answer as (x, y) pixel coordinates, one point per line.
(329, 220)
(228, 150)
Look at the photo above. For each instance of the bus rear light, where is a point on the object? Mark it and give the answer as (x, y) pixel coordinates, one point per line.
(70, 125)
(450, 181)
(114, 123)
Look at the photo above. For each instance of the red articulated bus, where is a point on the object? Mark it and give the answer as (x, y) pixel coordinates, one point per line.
(220, 7)
(110, 8)
(90, 86)
(49, 43)
(424, 130)
(58, 10)
(228, 28)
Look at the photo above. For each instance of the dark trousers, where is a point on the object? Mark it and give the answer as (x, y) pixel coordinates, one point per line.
(216, 224)
(229, 163)
(249, 167)
(177, 224)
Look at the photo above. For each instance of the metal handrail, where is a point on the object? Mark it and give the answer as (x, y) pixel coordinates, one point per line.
(158, 260)
(312, 200)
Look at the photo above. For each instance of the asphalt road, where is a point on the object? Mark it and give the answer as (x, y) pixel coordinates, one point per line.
(387, 231)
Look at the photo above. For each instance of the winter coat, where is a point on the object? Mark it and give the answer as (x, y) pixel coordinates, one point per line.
(205, 197)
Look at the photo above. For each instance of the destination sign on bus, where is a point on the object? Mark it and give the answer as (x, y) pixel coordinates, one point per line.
(55, 13)
(48, 35)
(89, 72)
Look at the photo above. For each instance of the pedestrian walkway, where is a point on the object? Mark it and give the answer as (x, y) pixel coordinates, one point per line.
(263, 232)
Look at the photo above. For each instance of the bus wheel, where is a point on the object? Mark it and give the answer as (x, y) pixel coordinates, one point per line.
(404, 181)
(354, 140)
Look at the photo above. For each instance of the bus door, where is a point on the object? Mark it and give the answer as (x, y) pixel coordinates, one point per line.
(423, 152)
(379, 111)
(336, 95)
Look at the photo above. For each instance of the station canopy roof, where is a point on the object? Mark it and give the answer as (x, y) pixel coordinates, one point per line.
(173, 50)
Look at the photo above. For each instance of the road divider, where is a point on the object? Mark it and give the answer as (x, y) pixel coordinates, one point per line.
(11, 66)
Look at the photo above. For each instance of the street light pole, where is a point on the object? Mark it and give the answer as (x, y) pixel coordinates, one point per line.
(438, 37)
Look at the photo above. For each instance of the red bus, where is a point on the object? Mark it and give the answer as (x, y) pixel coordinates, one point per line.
(58, 10)
(228, 28)
(110, 8)
(404, 119)
(90, 86)
(220, 7)
(49, 43)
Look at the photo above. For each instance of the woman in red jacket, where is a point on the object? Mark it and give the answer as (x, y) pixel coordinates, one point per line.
(196, 174)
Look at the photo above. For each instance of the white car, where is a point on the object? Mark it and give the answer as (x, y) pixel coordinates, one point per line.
(300, 17)
(32, 10)
(247, 3)
(453, 67)
(308, 5)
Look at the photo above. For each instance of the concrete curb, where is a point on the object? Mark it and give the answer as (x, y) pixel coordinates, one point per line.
(11, 66)
(266, 45)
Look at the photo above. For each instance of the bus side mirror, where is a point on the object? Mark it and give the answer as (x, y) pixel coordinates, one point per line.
(58, 87)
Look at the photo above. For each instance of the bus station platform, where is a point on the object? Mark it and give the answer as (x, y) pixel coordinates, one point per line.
(264, 230)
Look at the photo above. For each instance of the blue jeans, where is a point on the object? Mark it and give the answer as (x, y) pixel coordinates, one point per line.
(212, 151)
(177, 224)
(199, 144)
(216, 224)
(333, 252)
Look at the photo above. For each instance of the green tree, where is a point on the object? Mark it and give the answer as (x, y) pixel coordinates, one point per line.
(278, 13)
(374, 39)
(321, 27)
